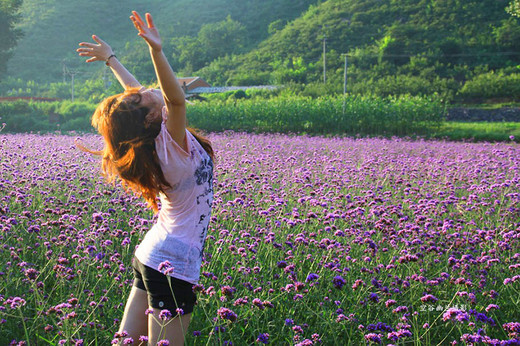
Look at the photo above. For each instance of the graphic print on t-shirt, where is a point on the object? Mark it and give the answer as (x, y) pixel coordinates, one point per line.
(204, 175)
(204, 172)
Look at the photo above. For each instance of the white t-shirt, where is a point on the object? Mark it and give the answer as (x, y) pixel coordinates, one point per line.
(180, 232)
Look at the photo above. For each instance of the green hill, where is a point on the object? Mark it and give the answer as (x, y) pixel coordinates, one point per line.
(448, 39)
(53, 28)
(465, 49)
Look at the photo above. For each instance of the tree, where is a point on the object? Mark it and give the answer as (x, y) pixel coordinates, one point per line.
(215, 40)
(514, 8)
(9, 35)
(222, 38)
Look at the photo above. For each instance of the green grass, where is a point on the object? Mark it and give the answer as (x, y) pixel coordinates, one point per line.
(477, 131)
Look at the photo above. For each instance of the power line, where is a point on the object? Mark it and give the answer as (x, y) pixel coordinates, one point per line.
(72, 73)
(433, 55)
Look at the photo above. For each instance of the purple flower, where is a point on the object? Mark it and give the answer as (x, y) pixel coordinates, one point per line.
(373, 337)
(312, 277)
(428, 298)
(263, 338)
(165, 315)
(164, 265)
(31, 273)
(492, 307)
(16, 302)
(163, 343)
(97, 217)
(338, 282)
(228, 291)
(455, 314)
(374, 297)
(121, 334)
(281, 264)
(390, 302)
(297, 329)
(227, 314)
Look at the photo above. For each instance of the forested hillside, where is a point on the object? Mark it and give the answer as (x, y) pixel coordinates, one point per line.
(423, 45)
(53, 28)
(461, 49)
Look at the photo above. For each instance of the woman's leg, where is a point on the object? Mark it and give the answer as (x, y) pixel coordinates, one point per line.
(134, 321)
(172, 330)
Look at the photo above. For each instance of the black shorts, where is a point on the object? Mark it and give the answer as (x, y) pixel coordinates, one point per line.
(164, 292)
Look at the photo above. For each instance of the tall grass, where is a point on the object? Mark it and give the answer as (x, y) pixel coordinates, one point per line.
(353, 115)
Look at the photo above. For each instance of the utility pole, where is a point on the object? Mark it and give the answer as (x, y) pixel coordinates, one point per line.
(345, 84)
(72, 74)
(324, 59)
(345, 77)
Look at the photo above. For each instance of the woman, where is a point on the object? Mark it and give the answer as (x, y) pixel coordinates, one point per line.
(149, 148)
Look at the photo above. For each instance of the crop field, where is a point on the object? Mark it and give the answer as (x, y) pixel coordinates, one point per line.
(313, 241)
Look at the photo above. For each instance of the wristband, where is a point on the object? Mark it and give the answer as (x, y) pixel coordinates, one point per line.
(112, 56)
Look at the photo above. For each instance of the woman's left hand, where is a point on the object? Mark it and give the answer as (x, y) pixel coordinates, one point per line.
(147, 30)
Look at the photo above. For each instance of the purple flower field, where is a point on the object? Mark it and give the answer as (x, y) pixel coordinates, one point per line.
(330, 241)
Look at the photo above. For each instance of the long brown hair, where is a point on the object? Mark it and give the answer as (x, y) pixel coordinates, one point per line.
(129, 151)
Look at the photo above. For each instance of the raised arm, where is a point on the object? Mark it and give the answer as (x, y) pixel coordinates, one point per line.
(173, 94)
(101, 51)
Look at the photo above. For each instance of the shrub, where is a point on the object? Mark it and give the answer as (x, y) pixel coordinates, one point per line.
(492, 85)
(73, 110)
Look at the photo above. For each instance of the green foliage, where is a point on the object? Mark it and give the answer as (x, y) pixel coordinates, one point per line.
(252, 112)
(73, 110)
(23, 116)
(514, 8)
(9, 34)
(32, 116)
(289, 71)
(354, 115)
(478, 131)
(492, 85)
(416, 47)
(213, 41)
(44, 24)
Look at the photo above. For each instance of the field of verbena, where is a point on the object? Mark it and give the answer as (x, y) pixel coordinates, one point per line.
(313, 240)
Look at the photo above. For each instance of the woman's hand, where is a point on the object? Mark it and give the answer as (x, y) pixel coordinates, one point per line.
(147, 31)
(98, 52)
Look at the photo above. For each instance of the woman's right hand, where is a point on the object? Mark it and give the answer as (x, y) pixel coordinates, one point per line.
(98, 52)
